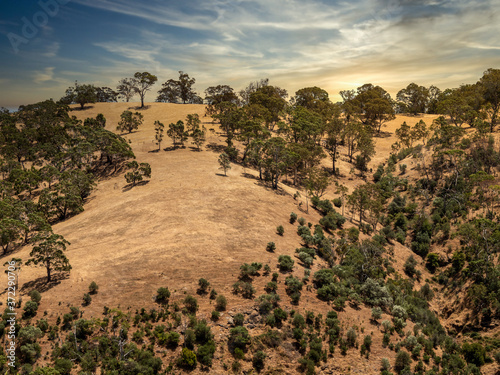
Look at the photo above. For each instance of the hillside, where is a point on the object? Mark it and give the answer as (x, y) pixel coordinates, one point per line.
(189, 221)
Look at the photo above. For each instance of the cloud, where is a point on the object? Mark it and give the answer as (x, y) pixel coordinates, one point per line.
(43, 76)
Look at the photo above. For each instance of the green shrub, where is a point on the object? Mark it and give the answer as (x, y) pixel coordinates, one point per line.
(474, 353)
(271, 287)
(205, 353)
(187, 359)
(271, 246)
(35, 296)
(215, 315)
(285, 263)
(306, 259)
(30, 309)
(258, 360)
(162, 295)
(293, 218)
(332, 221)
(239, 337)
(280, 230)
(337, 202)
(238, 319)
(351, 337)
(203, 285)
(191, 304)
(93, 287)
(87, 299)
(213, 294)
(403, 361)
(302, 221)
(432, 262)
(376, 313)
(238, 353)
(221, 303)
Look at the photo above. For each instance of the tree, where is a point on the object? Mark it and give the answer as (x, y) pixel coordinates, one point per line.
(224, 162)
(334, 138)
(373, 105)
(271, 101)
(199, 137)
(80, 94)
(126, 88)
(251, 88)
(490, 85)
(105, 95)
(173, 90)
(274, 159)
(129, 121)
(413, 99)
(49, 253)
(143, 83)
(176, 132)
(317, 182)
(138, 172)
(193, 122)
(159, 133)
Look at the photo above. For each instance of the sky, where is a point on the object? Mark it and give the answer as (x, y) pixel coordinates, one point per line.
(47, 45)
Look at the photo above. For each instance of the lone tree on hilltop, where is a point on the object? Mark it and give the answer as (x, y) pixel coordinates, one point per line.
(224, 162)
(143, 83)
(129, 121)
(138, 172)
(49, 253)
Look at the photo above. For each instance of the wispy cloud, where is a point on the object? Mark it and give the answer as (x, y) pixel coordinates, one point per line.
(43, 76)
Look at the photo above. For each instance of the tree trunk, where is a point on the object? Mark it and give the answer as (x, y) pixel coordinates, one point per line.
(48, 272)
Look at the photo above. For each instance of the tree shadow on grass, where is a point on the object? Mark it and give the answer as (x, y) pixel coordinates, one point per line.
(222, 175)
(139, 108)
(216, 148)
(82, 109)
(41, 283)
(130, 186)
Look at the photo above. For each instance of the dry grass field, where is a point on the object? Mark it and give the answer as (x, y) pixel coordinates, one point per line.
(190, 221)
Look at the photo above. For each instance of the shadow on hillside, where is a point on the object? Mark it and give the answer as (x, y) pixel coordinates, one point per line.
(383, 134)
(130, 186)
(215, 147)
(222, 175)
(250, 176)
(41, 283)
(139, 108)
(195, 149)
(81, 109)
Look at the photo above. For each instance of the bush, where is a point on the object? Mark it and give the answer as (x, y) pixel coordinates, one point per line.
(332, 221)
(30, 309)
(285, 263)
(403, 360)
(249, 270)
(187, 359)
(203, 285)
(238, 319)
(337, 202)
(376, 313)
(409, 266)
(221, 303)
(213, 294)
(93, 287)
(474, 353)
(306, 259)
(215, 315)
(258, 360)
(35, 296)
(432, 262)
(271, 287)
(239, 337)
(87, 299)
(162, 295)
(280, 230)
(351, 337)
(271, 246)
(205, 353)
(302, 221)
(191, 304)
(293, 218)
